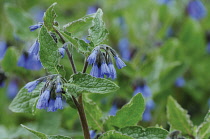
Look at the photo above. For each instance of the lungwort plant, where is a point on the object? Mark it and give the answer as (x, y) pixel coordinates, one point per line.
(54, 90)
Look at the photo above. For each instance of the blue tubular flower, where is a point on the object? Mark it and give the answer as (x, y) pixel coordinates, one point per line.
(35, 27)
(51, 106)
(58, 85)
(144, 89)
(61, 51)
(124, 49)
(31, 85)
(12, 89)
(43, 99)
(104, 70)
(95, 70)
(3, 48)
(92, 134)
(146, 115)
(180, 82)
(196, 9)
(113, 73)
(58, 102)
(34, 49)
(113, 110)
(120, 64)
(92, 57)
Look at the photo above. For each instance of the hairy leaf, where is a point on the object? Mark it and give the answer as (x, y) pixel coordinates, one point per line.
(203, 131)
(178, 117)
(49, 17)
(114, 135)
(85, 83)
(130, 114)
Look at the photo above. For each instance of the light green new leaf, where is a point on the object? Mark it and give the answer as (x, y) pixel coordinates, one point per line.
(44, 136)
(48, 51)
(178, 117)
(26, 101)
(19, 20)
(10, 60)
(79, 83)
(114, 135)
(128, 115)
(49, 17)
(138, 132)
(98, 32)
(80, 26)
(94, 114)
(203, 131)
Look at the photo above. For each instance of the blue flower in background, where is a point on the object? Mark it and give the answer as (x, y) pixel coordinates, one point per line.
(196, 9)
(92, 134)
(12, 89)
(123, 46)
(37, 13)
(35, 27)
(113, 110)
(123, 25)
(92, 9)
(147, 113)
(144, 89)
(180, 82)
(3, 48)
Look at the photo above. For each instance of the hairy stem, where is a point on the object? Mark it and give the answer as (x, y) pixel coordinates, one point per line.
(85, 66)
(71, 59)
(83, 120)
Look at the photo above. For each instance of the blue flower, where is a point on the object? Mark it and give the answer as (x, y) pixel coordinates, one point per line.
(104, 69)
(113, 110)
(95, 70)
(58, 103)
(51, 106)
(35, 27)
(43, 99)
(144, 89)
(196, 9)
(31, 85)
(113, 73)
(92, 134)
(34, 49)
(3, 48)
(147, 113)
(12, 89)
(124, 49)
(120, 64)
(92, 57)
(180, 82)
(61, 51)
(92, 9)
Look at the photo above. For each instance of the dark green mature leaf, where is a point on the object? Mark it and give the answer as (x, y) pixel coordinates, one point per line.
(49, 17)
(24, 101)
(94, 114)
(178, 117)
(138, 132)
(85, 83)
(44, 136)
(80, 26)
(19, 20)
(114, 135)
(203, 131)
(48, 51)
(10, 60)
(128, 115)
(98, 32)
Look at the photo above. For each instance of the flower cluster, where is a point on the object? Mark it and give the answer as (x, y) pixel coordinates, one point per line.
(51, 94)
(30, 59)
(142, 87)
(196, 9)
(102, 62)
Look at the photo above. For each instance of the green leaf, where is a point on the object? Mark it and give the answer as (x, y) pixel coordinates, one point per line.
(178, 117)
(43, 136)
(114, 135)
(19, 20)
(94, 114)
(79, 83)
(26, 101)
(10, 60)
(203, 131)
(98, 32)
(48, 51)
(49, 17)
(130, 114)
(78, 27)
(138, 132)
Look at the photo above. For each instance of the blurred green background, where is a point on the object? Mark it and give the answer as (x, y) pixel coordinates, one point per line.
(164, 44)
